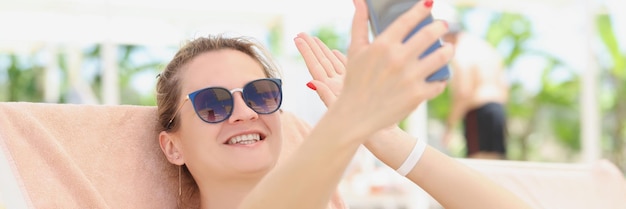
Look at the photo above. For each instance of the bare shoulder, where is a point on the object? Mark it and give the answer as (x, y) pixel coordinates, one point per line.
(294, 132)
(472, 50)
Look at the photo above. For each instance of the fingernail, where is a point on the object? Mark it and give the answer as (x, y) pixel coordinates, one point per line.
(428, 3)
(311, 86)
(445, 23)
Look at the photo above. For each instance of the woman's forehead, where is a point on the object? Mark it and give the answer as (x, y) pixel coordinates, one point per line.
(225, 68)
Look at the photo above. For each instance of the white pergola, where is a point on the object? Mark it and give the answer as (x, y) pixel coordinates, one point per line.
(66, 25)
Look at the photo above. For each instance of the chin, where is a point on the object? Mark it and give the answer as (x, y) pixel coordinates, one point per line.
(258, 158)
(257, 167)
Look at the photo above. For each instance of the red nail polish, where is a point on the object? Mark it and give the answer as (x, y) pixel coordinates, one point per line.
(311, 86)
(428, 3)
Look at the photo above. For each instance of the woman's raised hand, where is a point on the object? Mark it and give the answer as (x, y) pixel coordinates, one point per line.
(327, 67)
(384, 80)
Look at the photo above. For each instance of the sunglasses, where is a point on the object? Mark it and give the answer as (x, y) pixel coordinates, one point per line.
(215, 104)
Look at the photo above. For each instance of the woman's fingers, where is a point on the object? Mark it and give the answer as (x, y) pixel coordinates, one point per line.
(439, 88)
(434, 89)
(344, 61)
(342, 58)
(319, 55)
(360, 32)
(426, 37)
(324, 92)
(405, 23)
(315, 68)
(337, 65)
(432, 62)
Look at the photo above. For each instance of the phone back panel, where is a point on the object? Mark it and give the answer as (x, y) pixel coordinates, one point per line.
(383, 12)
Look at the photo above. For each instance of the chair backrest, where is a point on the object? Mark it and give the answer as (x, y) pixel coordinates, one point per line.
(94, 156)
(97, 156)
(559, 185)
(86, 156)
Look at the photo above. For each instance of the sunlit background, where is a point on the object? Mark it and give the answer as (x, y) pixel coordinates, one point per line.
(566, 60)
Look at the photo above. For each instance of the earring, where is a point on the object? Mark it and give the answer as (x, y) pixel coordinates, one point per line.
(180, 190)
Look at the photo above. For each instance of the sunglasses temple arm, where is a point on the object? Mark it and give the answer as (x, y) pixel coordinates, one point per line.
(175, 113)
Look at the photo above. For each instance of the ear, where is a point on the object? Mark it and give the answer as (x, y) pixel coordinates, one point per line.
(170, 148)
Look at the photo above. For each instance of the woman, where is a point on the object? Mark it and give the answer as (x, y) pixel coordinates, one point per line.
(218, 104)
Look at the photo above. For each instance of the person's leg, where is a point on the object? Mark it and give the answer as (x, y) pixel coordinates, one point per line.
(472, 132)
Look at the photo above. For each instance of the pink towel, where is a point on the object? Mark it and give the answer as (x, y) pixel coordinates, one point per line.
(97, 156)
(559, 185)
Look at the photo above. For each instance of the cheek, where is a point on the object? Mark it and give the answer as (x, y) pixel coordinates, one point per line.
(274, 124)
(197, 134)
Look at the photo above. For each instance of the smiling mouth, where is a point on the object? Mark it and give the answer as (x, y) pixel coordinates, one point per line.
(245, 139)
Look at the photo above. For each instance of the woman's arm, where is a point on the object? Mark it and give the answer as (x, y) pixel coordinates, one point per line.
(311, 175)
(451, 183)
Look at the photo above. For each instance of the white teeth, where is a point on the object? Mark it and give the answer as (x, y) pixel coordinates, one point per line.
(245, 139)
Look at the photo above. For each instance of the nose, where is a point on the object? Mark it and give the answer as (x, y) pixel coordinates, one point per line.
(241, 111)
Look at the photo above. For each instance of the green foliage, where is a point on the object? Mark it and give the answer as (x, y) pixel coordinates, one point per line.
(275, 39)
(127, 69)
(511, 28)
(553, 110)
(331, 38)
(440, 106)
(25, 80)
(613, 77)
(26, 77)
(607, 35)
(561, 99)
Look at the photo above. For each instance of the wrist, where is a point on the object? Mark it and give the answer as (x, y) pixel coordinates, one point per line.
(414, 157)
(382, 137)
(340, 125)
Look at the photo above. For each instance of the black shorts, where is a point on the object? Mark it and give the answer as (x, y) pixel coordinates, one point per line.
(485, 129)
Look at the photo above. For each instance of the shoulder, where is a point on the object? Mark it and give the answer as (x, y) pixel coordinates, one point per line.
(293, 125)
(294, 132)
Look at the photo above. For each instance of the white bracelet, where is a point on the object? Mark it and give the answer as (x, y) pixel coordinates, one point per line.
(413, 158)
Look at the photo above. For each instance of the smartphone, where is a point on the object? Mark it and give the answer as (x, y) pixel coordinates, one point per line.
(383, 12)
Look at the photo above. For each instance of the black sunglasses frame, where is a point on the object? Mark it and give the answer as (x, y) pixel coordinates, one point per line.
(192, 96)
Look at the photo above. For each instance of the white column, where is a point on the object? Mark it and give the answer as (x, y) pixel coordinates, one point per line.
(590, 111)
(52, 78)
(80, 91)
(416, 123)
(110, 75)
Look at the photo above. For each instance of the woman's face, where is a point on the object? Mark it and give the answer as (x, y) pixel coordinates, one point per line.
(205, 147)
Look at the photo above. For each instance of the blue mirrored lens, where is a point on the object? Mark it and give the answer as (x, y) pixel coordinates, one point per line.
(263, 96)
(213, 104)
